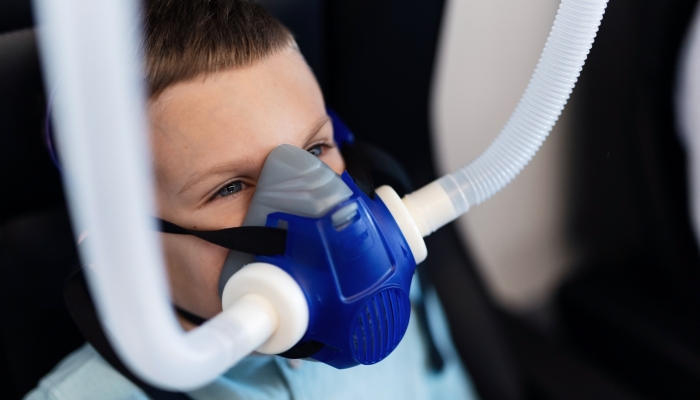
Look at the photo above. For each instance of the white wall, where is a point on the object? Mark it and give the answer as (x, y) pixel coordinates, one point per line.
(488, 51)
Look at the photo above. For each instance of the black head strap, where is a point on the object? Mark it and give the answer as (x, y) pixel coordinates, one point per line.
(258, 240)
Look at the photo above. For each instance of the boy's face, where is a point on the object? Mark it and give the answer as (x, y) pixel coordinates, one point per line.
(210, 137)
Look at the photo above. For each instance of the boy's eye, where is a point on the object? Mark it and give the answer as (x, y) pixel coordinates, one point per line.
(231, 188)
(316, 150)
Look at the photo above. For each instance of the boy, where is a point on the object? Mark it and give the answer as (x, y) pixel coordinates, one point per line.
(226, 85)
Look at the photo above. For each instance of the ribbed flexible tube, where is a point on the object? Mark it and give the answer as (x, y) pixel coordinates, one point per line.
(558, 68)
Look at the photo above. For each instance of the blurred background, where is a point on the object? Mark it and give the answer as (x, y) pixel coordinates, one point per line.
(580, 280)
(486, 55)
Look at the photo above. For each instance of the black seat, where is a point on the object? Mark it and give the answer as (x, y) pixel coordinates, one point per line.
(15, 15)
(634, 306)
(36, 243)
(36, 332)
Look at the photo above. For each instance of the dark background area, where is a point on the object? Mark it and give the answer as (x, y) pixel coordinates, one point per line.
(626, 326)
(633, 310)
(15, 15)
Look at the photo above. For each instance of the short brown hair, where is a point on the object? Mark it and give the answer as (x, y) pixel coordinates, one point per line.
(188, 38)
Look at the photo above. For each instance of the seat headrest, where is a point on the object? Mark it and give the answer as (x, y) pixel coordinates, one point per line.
(30, 181)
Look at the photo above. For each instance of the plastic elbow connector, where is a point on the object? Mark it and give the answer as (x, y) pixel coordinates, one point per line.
(431, 208)
(406, 220)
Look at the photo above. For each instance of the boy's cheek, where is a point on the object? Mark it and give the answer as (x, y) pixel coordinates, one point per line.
(194, 267)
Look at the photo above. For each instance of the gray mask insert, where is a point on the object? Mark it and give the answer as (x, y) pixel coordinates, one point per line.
(292, 181)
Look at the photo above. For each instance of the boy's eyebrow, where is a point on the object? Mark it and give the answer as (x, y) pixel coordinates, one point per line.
(314, 130)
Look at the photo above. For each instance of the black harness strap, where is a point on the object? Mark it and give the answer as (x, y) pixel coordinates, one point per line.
(194, 319)
(258, 240)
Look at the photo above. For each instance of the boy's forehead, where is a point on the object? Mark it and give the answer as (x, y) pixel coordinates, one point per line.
(235, 114)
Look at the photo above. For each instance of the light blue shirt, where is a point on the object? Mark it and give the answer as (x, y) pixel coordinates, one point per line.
(405, 374)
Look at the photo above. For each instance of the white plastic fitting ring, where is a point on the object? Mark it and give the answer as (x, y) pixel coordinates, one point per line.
(285, 295)
(405, 221)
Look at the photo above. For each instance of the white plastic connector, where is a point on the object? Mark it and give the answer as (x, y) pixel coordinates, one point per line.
(431, 208)
(243, 327)
(406, 222)
(283, 294)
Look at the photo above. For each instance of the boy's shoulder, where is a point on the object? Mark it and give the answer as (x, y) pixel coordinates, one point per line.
(84, 375)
